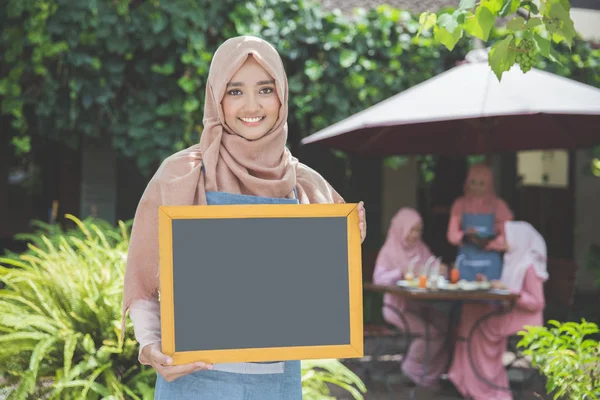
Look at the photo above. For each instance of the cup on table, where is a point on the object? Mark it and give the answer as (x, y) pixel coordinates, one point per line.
(454, 275)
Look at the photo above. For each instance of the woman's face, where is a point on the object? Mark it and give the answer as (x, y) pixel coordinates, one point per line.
(478, 185)
(251, 105)
(414, 235)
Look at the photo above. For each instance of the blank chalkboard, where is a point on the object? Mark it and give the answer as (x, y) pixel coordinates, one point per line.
(261, 282)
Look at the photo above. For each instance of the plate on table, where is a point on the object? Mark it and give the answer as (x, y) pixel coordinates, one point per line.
(500, 291)
(451, 286)
(448, 286)
(407, 284)
(484, 285)
(473, 285)
(467, 285)
(415, 289)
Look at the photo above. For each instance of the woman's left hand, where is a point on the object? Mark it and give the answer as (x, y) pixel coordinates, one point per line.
(362, 222)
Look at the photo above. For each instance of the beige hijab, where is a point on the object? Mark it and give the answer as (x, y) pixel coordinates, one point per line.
(263, 167)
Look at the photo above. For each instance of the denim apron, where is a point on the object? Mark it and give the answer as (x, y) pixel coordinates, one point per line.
(474, 259)
(237, 381)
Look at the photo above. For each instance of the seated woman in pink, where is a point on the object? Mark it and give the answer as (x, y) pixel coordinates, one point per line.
(403, 245)
(524, 272)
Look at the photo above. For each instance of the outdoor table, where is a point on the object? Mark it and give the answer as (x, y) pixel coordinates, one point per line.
(455, 297)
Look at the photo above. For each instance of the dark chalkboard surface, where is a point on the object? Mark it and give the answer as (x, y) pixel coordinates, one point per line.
(260, 282)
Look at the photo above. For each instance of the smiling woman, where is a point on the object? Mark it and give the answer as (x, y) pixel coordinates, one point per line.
(251, 105)
(241, 159)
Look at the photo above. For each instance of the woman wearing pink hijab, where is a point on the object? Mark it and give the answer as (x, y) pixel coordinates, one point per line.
(402, 247)
(477, 226)
(241, 159)
(524, 272)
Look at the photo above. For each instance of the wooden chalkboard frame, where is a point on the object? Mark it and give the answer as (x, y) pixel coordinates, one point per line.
(165, 223)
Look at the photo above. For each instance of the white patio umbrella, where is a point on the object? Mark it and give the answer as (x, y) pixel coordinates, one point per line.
(465, 110)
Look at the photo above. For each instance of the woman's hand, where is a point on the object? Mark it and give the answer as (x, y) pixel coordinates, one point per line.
(471, 230)
(501, 246)
(163, 363)
(479, 242)
(362, 222)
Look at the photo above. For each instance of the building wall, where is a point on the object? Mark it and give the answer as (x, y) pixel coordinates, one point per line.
(544, 168)
(587, 218)
(587, 22)
(399, 190)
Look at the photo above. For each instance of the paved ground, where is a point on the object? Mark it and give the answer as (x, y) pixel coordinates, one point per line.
(385, 382)
(379, 391)
(397, 388)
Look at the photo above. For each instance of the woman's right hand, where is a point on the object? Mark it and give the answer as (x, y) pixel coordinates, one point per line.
(163, 363)
(477, 241)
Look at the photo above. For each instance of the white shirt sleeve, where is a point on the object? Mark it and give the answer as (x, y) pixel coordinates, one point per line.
(145, 315)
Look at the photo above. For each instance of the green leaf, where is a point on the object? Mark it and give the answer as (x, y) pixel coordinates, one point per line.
(18, 336)
(347, 58)
(26, 387)
(543, 45)
(314, 70)
(427, 20)
(69, 350)
(41, 350)
(531, 6)
(461, 16)
(366, 63)
(448, 22)
(494, 5)
(448, 31)
(509, 7)
(164, 110)
(187, 84)
(446, 38)
(146, 391)
(395, 162)
(516, 24)
(481, 25)
(357, 81)
(4, 85)
(466, 4)
(165, 69)
(566, 27)
(533, 22)
(88, 344)
(159, 22)
(96, 63)
(191, 105)
(502, 56)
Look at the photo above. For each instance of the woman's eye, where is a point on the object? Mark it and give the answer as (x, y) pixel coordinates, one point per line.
(234, 92)
(266, 90)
